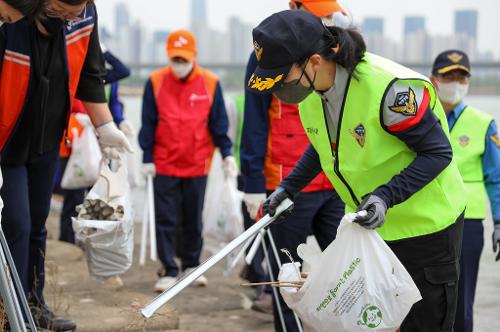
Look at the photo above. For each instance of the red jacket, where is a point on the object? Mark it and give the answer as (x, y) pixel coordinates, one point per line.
(286, 143)
(183, 144)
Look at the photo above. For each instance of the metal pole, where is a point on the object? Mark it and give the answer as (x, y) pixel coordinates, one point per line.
(278, 260)
(8, 290)
(253, 249)
(167, 295)
(275, 291)
(144, 230)
(240, 253)
(152, 219)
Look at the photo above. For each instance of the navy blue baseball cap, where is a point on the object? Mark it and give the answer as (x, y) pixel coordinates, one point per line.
(451, 60)
(279, 41)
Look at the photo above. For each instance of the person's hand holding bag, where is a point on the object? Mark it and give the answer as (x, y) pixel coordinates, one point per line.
(112, 140)
(376, 210)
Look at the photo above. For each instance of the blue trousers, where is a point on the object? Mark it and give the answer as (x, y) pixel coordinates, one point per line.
(472, 246)
(72, 198)
(168, 209)
(26, 193)
(316, 213)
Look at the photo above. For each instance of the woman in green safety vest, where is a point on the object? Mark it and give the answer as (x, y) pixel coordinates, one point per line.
(381, 137)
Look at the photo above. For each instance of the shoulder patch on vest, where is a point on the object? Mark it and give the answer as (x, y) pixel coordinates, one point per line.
(405, 103)
(494, 139)
(402, 102)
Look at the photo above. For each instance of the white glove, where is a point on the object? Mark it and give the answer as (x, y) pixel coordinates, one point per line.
(148, 169)
(112, 141)
(253, 203)
(128, 128)
(230, 167)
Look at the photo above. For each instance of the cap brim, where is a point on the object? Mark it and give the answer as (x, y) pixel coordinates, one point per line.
(265, 81)
(447, 69)
(323, 8)
(185, 54)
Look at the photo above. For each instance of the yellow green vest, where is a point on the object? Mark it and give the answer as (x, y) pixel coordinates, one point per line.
(240, 107)
(358, 170)
(468, 139)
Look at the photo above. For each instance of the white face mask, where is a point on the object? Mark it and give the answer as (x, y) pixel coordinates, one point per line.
(338, 19)
(182, 70)
(452, 93)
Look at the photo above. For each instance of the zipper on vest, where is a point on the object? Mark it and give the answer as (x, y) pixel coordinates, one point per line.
(335, 150)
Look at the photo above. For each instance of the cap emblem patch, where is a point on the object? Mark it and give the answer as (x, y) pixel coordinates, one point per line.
(258, 50)
(455, 57)
(262, 84)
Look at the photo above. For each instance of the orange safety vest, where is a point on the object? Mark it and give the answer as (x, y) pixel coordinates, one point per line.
(16, 74)
(286, 143)
(183, 143)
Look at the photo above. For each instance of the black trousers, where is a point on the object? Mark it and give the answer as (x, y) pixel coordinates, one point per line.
(26, 192)
(472, 246)
(191, 192)
(433, 262)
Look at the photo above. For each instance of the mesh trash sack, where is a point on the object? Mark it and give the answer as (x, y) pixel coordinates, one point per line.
(82, 169)
(356, 284)
(222, 218)
(108, 244)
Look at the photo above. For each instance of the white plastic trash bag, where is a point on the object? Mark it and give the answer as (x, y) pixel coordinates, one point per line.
(356, 284)
(108, 244)
(82, 169)
(222, 218)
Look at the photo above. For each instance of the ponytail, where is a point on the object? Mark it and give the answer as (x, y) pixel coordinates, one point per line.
(351, 47)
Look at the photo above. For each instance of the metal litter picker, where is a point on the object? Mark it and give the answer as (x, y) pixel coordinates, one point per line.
(167, 295)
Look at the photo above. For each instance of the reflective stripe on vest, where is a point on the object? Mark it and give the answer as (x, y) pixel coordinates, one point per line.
(286, 143)
(16, 68)
(359, 170)
(468, 139)
(183, 143)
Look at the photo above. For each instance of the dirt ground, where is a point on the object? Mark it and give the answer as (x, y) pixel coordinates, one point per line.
(222, 306)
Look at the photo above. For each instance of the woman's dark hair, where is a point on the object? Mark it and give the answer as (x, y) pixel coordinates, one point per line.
(351, 47)
(29, 8)
(75, 2)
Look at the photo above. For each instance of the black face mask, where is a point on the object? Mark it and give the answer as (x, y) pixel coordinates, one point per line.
(294, 92)
(52, 25)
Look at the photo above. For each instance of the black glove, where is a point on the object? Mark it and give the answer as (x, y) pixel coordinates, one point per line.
(274, 200)
(375, 209)
(496, 239)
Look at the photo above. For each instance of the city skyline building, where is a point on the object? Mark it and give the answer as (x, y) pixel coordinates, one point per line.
(134, 43)
(415, 46)
(373, 25)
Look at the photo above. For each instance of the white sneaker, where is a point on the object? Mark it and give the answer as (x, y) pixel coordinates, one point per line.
(202, 281)
(164, 283)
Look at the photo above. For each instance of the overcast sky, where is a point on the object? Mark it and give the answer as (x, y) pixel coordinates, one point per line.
(173, 14)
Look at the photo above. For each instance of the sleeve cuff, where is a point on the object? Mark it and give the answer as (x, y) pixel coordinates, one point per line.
(226, 152)
(147, 157)
(382, 193)
(255, 185)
